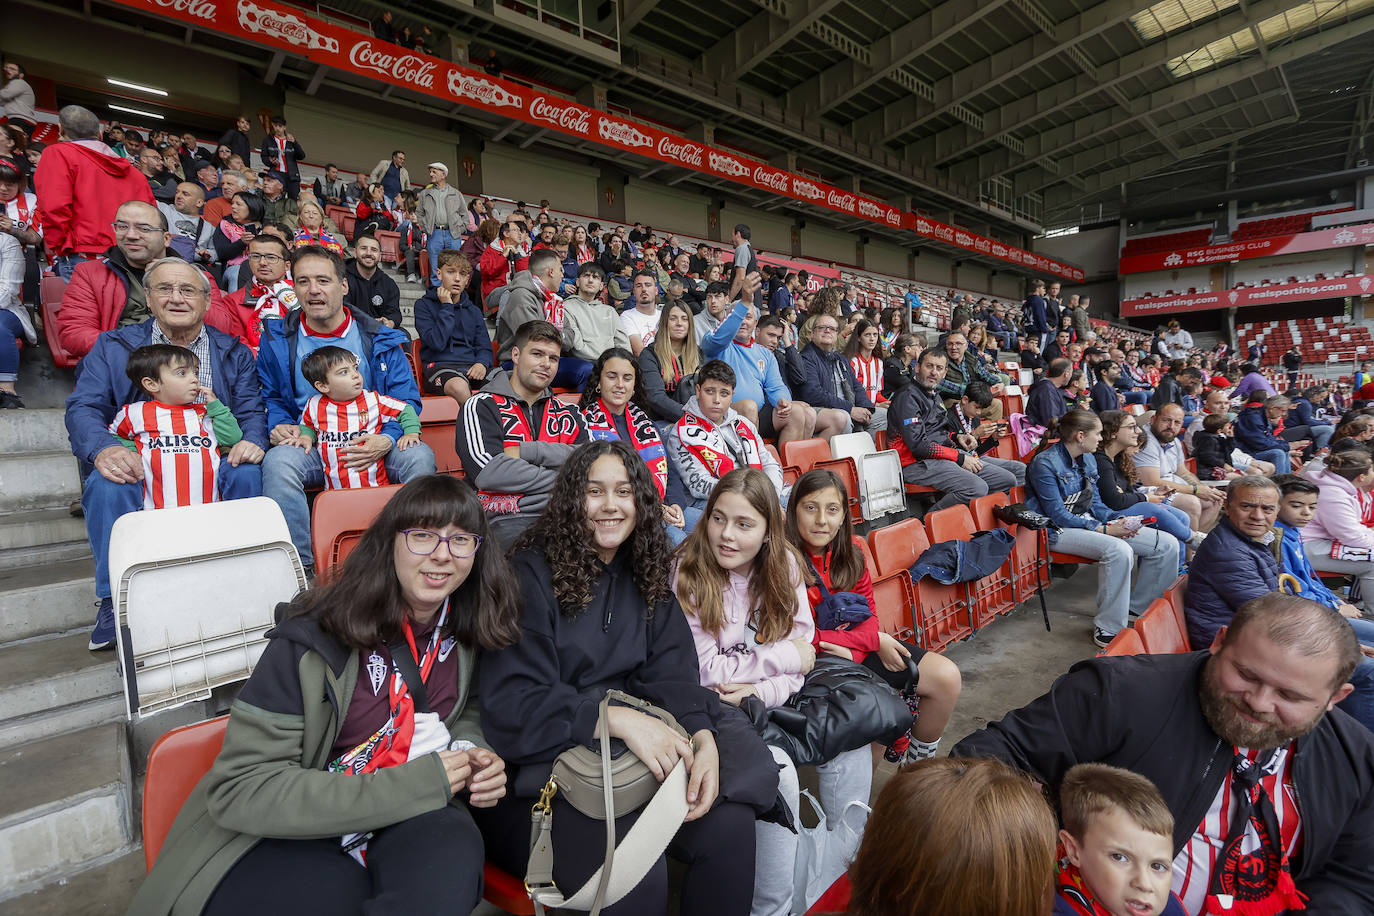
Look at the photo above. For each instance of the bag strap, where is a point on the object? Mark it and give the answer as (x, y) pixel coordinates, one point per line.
(643, 845)
(820, 580)
(410, 672)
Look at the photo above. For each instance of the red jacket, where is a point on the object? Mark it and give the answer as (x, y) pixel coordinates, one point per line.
(95, 298)
(494, 267)
(79, 189)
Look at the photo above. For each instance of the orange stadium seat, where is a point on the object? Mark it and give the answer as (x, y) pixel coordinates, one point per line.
(1127, 642)
(339, 518)
(803, 453)
(439, 430)
(845, 469)
(1159, 629)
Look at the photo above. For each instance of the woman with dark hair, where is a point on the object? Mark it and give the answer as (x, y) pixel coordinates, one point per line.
(897, 368)
(866, 355)
(985, 845)
(599, 614)
(611, 406)
(234, 232)
(891, 324)
(818, 525)
(373, 214)
(1061, 483)
(1118, 484)
(353, 756)
(614, 251)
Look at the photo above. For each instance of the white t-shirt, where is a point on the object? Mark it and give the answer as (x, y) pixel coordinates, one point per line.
(636, 322)
(1168, 458)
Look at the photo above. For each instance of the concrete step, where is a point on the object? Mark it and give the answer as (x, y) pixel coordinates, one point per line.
(54, 686)
(104, 889)
(66, 805)
(33, 430)
(39, 601)
(36, 527)
(37, 479)
(44, 554)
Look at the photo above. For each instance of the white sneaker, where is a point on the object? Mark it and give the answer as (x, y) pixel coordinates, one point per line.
(411, 278)
(1196, 540)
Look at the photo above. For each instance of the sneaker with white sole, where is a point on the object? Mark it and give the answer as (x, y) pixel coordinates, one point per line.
(103, 636)
(1102, 638)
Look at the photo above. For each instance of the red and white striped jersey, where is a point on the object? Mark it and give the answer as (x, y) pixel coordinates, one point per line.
(1194, 863)
(179, 451)
(870, 375)
(337, 424)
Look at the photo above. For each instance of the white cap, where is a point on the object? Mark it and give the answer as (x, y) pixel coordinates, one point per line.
(440, 166)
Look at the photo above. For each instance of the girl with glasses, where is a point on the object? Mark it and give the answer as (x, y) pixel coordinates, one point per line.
(354, 757)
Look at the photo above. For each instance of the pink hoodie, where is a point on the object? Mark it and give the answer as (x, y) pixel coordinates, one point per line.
(1339, 513)
(734, 657)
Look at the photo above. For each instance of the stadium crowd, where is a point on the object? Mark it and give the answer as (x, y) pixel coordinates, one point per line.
(622, 520)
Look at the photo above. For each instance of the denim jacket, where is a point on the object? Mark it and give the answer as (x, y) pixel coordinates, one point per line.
(1053, 478)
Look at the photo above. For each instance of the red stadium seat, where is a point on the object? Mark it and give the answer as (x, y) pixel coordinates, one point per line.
(339, 518)
(1159, 629)
(439, 430)
(51, 293)
(896, 547)
(1127, 642)
(803, 453)
(391, 245)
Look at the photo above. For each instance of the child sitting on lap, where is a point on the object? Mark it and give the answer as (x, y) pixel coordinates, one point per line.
(343, 412)
(178, 439)
(1118, 845)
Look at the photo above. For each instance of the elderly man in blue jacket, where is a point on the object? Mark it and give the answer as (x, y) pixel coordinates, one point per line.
(1238, 561)
(1258, 429)
(292, 463)
(828, 380)
(178, 296)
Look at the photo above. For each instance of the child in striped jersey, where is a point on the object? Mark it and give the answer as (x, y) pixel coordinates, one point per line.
(177, 439)
(343, 412)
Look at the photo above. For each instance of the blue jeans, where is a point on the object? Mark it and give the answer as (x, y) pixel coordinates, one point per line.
(104, 501)
(10, 328)
(65, 264)
(1152, 554)
(1360, 703)
(1278, 457)
(438, 240)
(572, 373)
(288, 470)
(1135, 397)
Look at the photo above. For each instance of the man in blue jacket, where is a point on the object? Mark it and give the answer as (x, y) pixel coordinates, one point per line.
(1255, 431)
(292, 464)
(178, 297)
(828, 381)
(1238, 560)
(1037, 323)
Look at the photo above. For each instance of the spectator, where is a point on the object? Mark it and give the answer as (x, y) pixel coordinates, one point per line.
(1118, 479)
(230, 183)
(692, 295)
(1082, 324)
(391, 174)
(1174, 385)
(1178, 341)
(193, 236)
(717, 306)
(322, 320)
(590, 327)
(278, 206)
(769, 333)
(829, 382)
(929, 452)
(1161, 464)
(514, 435)
(311, 230)
(384, 28)
(641, 321)
(1045, 400)
(178, 299)
(440, 599)
(79, 185)
(987, 844)
(108, 293)
(370, 290)
(1297, 508)
(492, 65)
(1259, 429)
(1059, 347)
(1104, 394)
(281, 152)
(1237, 562)
(1133, 384)
(899, 368)
(1251, 382)
(1061, 483)
(235, 232)
(745, 262)
(866, 354)
(1303, 422)
(1292, 364)
(15, 322)
(969, 417)
(455, 348)
(1287, 660)
(162, 183)
(17, 98)
(1213, 447)
(531, 296)
(330, 189)
(441, 214)
(1337, 540)
(268, 294)
(668, 366)
(783, 296)
(711, 438)
(236, 138)
(373, 213)
(502, 261)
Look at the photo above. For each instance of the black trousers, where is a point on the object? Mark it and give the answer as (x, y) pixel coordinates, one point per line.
(717, 849)
(431, 863)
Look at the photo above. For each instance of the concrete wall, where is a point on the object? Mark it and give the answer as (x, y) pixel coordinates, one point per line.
(673, 209)
(525, 175)
(930, 267)
(826, 244)
(1097, 251)
(1278, 269)
(1157, 281)
(357, 140)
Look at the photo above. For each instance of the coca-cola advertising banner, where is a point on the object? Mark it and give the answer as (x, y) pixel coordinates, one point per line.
(349, 51)
(970, 241)
(1339, 237)
(1336, 288)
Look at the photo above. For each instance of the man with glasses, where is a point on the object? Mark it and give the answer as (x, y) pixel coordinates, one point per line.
(108, 293)
(178, 298)
(269, 294)
(829, 383)
(79, 186)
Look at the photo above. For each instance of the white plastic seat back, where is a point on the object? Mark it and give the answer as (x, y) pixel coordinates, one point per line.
(852, 445)
(881, 489)
(194, 593)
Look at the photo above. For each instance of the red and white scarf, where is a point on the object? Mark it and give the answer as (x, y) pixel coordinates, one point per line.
(553, 306)
(644, 438)
(705, 442)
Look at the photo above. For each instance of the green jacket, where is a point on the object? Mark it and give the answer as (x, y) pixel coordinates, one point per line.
(269, 780)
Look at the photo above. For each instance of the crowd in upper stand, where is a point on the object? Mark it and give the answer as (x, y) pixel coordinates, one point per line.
(234, 342)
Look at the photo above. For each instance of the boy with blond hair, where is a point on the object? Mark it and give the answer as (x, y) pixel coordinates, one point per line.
(1118, 845)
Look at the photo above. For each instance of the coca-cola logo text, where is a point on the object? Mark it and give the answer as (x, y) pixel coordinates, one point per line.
(409, 68)
(287, 26)
(569, 117)
(197, 8)
(684, 152)
(771, 178)
(621, 133)
(841, 201)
